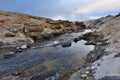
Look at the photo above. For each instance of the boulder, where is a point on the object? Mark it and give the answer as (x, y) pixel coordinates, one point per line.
(90, 43)
(24, 46)
(76, 40)
(81, 25)
(66, 44)
(38, 77)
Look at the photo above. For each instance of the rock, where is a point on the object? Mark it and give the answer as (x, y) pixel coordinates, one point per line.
(91, 36)
(34, 29)
(90, 43)
(81, 25)
(10, 34)
(30, 41)
(33, 34)
(24, 46)
(47, 36)
(110, 78)
(97, 53)
(37, 77)
(76, 40)
(66, 44)
(21, 35)
(9, 55)
(90, 78)
(87, 72)
(117, 15)
(83, 75)
(1, 43)
(18, 49)
(117, 55)
(17, 73)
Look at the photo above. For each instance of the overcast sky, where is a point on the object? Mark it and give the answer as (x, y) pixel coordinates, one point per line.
(63, 9)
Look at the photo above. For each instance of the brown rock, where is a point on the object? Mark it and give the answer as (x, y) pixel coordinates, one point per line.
(10, 34)
(35, 29)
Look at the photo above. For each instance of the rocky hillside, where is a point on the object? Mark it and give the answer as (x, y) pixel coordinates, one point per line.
(22, 28)
(108, 26)
(104, 60)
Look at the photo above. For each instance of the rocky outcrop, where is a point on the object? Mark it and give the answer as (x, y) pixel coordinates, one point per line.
(106, 53)
(17, 28)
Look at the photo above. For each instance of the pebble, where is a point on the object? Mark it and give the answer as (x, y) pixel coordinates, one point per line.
(24, 46)
(83, 75)
(87, 72)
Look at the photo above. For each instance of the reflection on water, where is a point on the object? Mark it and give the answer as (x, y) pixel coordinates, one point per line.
(48, 61)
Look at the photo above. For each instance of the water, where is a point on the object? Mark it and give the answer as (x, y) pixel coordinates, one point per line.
(48, 60)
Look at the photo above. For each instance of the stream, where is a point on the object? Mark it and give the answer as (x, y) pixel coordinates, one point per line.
(51, 62)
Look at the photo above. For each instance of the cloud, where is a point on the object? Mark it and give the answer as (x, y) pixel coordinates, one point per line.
(99, 6)
(63, 9)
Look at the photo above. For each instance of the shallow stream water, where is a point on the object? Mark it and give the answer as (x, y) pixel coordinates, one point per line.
(47, 60)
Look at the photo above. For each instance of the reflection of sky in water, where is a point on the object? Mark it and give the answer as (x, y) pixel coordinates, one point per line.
(64, 56)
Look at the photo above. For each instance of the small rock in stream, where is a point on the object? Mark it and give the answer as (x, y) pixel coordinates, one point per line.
(9, 55)
(76, 40)
(37, 77)
(24, 46)
(66, 44)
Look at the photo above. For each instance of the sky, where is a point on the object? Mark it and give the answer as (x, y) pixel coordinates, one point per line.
(74, 10)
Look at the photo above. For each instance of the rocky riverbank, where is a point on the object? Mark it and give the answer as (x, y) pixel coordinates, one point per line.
(37, 48)
(17, 29)
(56, 59)
(21, 31)
(103, 61)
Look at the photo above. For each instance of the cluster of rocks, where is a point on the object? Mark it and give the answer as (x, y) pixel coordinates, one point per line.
(18, 29)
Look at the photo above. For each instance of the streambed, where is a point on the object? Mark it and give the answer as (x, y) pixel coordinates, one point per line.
(46, 61)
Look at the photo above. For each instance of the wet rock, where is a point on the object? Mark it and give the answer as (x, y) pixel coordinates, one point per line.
(24, 46)
(1, 43)
(117, 55)
(83, 75)
(47, 36)
(90, 78)
(9, 55)
(90, 43)
(97, 53)
(81, 37)
(18, 50)
(76, 40)
(37, 77)
(91, 36)
(30, 41)
(17, 73)
(110, 78)
(10, 34)
(66, 44)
